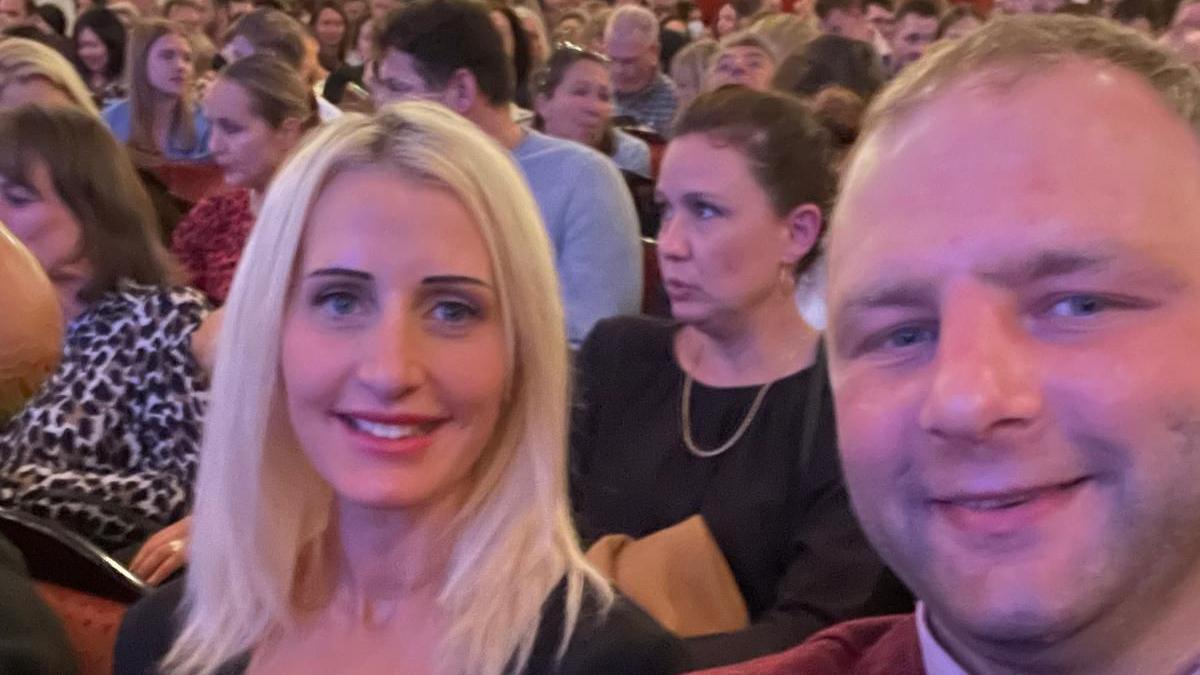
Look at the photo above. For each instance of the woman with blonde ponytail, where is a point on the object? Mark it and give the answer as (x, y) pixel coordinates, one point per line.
(383, 477)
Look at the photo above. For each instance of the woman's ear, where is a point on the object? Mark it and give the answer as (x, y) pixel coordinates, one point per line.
(291, 130)
(803, 230)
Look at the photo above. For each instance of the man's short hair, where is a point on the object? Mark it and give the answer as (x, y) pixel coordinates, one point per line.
(274, 32)
(923, 8)
(746, 38)
(1008, 49)
(826, 7)
(632, 20)
(443, 36)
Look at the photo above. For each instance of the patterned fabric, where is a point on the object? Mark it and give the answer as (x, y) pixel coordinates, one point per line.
(108, 446)
(653, 106)
(210, 240)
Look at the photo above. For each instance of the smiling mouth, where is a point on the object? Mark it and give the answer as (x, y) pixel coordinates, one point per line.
(386, 431)
(1002, 501)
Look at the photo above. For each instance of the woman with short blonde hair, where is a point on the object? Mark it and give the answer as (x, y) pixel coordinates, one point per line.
(270, 530)
(25, 64)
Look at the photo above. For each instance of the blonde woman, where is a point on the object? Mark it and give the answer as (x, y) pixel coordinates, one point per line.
(160, 120)
(31, 72)
(383, 483)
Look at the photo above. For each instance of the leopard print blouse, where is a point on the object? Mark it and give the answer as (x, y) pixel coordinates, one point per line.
(108, 446)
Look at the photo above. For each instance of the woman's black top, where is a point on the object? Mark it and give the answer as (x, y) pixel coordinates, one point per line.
(623, 640)
(775, 501)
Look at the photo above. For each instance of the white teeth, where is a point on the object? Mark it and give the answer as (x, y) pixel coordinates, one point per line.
(388, 431)
(991, 504)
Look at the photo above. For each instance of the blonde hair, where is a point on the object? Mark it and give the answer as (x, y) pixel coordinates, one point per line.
(22, 60)
(786, 33)
(1010, 48)
(141, 93)
(261, 508)
(690, 65)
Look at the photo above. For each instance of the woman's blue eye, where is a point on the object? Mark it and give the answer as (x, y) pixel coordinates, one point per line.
(706, 211)
(1078, 305)
(338, 303)
(454, 312)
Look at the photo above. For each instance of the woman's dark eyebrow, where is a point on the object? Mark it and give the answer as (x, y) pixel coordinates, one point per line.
(339, 272)
(455, 279)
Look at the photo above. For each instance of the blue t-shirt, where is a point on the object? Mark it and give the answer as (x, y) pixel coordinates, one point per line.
(592, 223)
(118, 118)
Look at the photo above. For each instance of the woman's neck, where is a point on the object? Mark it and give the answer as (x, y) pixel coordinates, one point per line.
(390, 554)
(754, 346)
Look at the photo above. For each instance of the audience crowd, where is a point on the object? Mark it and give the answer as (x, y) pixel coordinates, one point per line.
(602, 336)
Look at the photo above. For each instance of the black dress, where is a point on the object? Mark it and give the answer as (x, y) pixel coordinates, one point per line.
(624, 640)
(775, 502)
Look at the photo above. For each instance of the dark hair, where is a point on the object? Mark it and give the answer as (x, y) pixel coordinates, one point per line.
(953, 16)
(788, 149)
(831, 60)
(522, 51)
(923, 8)
(272, 31)
(1128, 11)
(54, 17)
(443, 36)
(97, 181)
(347, 34)
(108, 27)
(826, 7)
(549, 77)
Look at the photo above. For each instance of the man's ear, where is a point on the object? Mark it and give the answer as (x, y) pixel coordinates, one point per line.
(803, 230)
(461, 91)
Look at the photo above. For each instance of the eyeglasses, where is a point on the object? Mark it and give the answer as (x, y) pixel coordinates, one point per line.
(571, 47)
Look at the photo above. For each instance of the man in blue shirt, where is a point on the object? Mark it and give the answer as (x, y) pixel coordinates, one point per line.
(449, 51)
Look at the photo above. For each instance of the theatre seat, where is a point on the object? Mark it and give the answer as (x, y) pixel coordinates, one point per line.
(88, 589)
(91, 623)
(191, 181)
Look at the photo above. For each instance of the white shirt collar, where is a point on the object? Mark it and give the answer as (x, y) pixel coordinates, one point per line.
(934, 657)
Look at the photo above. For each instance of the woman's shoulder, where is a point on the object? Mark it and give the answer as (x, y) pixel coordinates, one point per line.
(144, 311)
(117, 116)
(631, 153)
(618, 639)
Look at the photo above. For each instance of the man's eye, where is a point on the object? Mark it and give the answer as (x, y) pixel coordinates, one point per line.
(1079, 305)
(908, 336)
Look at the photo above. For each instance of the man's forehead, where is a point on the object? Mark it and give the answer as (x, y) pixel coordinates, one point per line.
(1087, 150)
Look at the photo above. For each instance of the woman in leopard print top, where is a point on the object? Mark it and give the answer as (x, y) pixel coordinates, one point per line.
(108, 446)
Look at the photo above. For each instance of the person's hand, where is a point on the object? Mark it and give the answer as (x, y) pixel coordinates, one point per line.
(204, 340)
(164, 553)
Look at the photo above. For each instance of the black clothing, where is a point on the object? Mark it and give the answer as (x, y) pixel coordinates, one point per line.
(625, 641)
(775, 502)
(32, 640)
(335, 84)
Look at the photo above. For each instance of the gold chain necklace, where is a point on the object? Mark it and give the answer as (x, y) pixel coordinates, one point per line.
(685, 407)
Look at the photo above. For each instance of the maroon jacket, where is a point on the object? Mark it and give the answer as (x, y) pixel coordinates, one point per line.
(884, 645)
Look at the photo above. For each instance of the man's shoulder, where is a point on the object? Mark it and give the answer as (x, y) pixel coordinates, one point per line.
(558, 165)
(884, 645)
